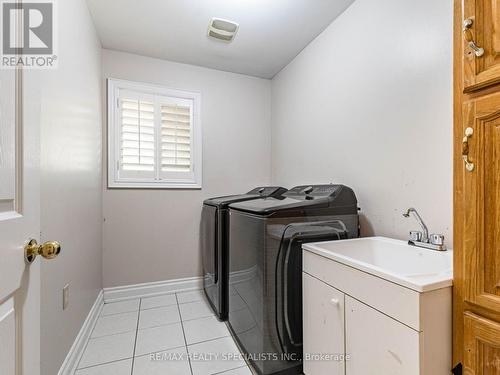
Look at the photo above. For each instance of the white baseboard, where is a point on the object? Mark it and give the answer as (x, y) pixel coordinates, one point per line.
(71, 361)
(121, 293)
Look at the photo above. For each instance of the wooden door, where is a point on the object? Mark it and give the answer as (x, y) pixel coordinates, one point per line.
(481, 233)
(482, 202)
(481, 43)
(476, 313)
(19, 221)
(482, 346)
(323, 327)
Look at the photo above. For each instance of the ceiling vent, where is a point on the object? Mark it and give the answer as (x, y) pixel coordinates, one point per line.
(222, 30)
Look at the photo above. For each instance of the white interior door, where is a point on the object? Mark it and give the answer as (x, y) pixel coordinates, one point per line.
(19, 221)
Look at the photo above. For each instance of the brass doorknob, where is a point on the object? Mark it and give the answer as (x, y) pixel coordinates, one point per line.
(48, 250)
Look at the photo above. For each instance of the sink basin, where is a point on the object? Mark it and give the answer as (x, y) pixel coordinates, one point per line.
(413, 267)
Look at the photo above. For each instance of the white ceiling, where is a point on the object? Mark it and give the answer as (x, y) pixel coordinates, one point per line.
(271, 34)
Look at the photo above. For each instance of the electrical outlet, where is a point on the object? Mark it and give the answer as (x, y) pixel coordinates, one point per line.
(65, 296)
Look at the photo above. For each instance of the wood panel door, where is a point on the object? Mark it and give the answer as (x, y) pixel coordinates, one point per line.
(481, 26)
(482, 346)
(476, 290)
(482, 202)
(477, 219)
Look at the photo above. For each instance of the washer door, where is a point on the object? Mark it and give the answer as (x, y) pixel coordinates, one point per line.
(288, 279)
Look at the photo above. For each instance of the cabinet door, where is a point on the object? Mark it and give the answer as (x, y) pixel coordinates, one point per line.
(481, 202)
(323, 309)
(481, 26)
(482, 346)
(378, 344)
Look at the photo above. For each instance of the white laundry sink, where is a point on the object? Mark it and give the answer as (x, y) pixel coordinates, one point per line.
(394, 260)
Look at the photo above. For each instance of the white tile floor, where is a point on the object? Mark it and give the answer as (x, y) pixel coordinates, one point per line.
(170, 334)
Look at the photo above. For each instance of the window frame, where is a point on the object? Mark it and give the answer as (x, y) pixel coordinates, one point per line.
(161, 180)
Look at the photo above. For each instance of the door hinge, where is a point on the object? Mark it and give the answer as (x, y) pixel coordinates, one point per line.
(457, 370)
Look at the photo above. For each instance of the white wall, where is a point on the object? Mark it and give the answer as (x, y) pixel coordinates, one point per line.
(152, 235)
(369, 104)
(71, 184)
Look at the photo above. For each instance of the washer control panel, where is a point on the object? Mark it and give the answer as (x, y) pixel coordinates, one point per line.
(316, 191)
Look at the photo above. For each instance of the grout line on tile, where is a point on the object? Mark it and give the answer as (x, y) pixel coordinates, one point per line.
(184, 334)
(135, 341)
(240, 350)
(168, 324)
(217, 338)
(159, 325)
(231, 369)
(112, 334)
(201, 317)
(103, 363)
(201, 299)
(115, 333)
(160, 351)
(187, 303)
(158, 307)
(189, 320)
(118, 313)
(88, 340)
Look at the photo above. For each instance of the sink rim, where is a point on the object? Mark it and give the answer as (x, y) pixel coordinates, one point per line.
(418, 282)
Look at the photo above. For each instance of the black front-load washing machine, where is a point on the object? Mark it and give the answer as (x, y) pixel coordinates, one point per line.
(214, 234)
(265, 268)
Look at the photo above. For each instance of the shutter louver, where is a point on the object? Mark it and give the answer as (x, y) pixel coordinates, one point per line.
(137, 135)
(175, 138)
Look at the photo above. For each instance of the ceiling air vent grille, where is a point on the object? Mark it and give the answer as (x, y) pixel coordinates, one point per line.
(223, 30)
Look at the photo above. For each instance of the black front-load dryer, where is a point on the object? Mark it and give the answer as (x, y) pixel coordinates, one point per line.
(265, 282)
(214, 243)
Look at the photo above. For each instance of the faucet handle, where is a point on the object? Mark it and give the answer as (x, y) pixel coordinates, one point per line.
(437, 239)
(415, 236)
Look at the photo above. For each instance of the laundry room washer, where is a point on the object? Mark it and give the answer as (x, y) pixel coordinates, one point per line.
(265, 268)
(214, 232)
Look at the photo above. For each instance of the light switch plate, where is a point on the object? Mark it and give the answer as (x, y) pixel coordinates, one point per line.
(65, 296)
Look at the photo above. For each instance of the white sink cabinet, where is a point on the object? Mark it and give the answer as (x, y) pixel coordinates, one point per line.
(364, 315)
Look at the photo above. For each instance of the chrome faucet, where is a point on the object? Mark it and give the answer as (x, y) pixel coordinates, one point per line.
(422, 239)
(425, 235)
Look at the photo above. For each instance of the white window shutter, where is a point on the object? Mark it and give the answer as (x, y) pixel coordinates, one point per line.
(154, 137)
(137, 135)
(176, 138)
